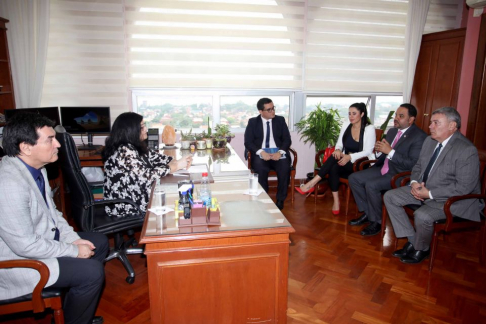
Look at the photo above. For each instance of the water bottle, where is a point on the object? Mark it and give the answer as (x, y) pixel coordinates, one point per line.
(204, 190)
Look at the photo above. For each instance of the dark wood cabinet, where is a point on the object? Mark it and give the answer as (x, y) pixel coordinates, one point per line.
(7, 98)
(477, 109)
(438, 72)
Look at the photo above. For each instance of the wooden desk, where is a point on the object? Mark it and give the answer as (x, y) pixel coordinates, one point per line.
(90, 158)
(233, 273)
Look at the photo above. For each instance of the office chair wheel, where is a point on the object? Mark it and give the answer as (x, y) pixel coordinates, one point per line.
(130, 280)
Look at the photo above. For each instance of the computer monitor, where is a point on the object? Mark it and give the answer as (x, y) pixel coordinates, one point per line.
(50, 112)
(86, 120)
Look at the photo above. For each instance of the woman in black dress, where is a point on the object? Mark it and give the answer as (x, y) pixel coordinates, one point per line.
(356, 140)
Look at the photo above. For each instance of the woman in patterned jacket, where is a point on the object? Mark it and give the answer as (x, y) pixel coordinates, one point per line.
(131, 167)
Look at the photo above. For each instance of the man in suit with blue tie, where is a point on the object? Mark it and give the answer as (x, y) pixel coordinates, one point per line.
(32, 228)
(448, 166)
(267, 138)
(401, 155)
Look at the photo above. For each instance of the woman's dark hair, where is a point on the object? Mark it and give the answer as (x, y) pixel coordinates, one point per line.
(23, 128)
(362, 109)
(126, 130)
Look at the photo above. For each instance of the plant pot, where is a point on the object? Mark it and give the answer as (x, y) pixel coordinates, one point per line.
(209, 143)
(219, 143)
(228, 139)
(201, 144)
(186, 144)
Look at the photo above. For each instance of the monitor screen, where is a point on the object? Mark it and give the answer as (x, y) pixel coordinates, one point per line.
(50, 112)
(93, 120)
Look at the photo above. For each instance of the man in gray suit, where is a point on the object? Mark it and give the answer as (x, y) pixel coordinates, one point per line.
(448, 166)
(397, 153)
(32, 228)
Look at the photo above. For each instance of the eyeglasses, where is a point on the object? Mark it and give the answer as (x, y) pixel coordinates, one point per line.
(270, 109)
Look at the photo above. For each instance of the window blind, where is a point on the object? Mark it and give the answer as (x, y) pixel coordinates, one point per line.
(244, 44)
(86, 55)
(355, 46)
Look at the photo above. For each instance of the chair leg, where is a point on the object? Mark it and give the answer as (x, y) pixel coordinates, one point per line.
(56, 305)
(292, 185)
(348, 194)
(433, 249)
(482, 245)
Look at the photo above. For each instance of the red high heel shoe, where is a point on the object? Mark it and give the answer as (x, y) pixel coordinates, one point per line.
(335, 212)
(302, 192)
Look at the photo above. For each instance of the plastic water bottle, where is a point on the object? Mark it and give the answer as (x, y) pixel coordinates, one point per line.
(204, 190)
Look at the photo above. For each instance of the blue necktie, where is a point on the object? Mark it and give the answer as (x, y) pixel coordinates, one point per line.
(267, 140)
(431, 163)
(42, 187)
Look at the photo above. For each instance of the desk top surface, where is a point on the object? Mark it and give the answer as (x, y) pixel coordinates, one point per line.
(241, 215)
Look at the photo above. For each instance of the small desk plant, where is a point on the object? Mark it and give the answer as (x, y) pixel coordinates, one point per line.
(187, 139)
(222, 135)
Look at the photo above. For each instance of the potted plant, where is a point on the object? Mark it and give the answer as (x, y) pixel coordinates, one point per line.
(209, 140)
(200, 141)
(321, 127)
(224, 131)
(187, 139)
(220, 137)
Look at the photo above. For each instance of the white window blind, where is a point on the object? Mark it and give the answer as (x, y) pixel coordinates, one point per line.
(443, 15)
(245, 44)
(355, 46)
(86, 55)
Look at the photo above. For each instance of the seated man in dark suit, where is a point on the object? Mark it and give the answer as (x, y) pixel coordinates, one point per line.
(401, 155)
(267, 137)
(32, 228)
(448, 165)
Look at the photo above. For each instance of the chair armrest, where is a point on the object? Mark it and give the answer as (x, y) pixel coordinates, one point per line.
(406, 178)
(37, 301)
(452, 200)
(117, 201)
(358, 162)
(364, 163)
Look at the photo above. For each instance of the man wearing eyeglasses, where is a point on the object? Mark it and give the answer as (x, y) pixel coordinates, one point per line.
(267, 138)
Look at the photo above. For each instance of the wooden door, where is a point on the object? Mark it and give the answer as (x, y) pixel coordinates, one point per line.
(437, 76)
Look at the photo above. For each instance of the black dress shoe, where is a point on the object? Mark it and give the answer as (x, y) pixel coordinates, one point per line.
(372, 229)
(415, 257)
(363, 219)
(280, 204)
(407, 248)
(98, 320)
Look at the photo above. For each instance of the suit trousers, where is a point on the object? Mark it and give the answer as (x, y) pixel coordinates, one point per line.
(84, 280)
(282, 167)
(424, 217)
(335, 171)
(367, 186)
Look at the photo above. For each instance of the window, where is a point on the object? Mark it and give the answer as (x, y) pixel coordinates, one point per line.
(236, 110)
(383, 106)
(340, 103)
(190, 109)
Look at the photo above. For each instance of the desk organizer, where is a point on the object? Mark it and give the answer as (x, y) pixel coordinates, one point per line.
(200, 215)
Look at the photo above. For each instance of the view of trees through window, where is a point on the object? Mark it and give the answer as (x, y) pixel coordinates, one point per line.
(236, 110)
(192, 111)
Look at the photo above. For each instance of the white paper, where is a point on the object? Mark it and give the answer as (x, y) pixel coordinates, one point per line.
(247, 192)
(161, 210)
(200, 168)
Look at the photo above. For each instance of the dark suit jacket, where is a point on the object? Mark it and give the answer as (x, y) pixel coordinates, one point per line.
(254, 134)
(455, 173)
(407, 150)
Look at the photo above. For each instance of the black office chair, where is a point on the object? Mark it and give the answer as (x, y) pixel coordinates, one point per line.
(89, 214)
